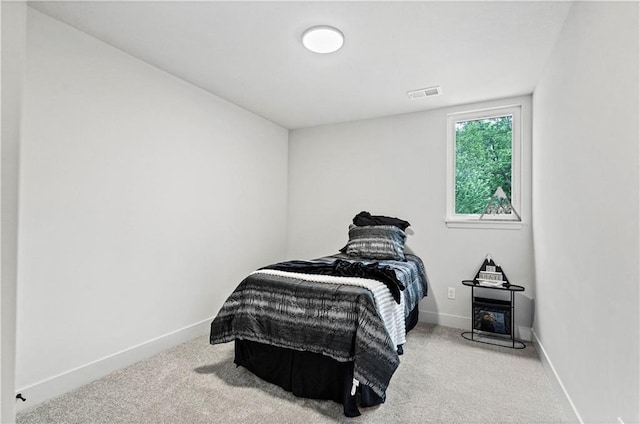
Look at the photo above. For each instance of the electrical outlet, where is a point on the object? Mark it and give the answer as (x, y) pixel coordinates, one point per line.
(451, 294)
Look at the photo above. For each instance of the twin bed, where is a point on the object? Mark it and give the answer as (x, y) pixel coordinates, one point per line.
(333, 327)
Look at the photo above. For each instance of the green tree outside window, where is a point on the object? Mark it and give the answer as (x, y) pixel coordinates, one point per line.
(483, 162)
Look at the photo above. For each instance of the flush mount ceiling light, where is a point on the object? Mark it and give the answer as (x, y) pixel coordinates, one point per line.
(323, 39)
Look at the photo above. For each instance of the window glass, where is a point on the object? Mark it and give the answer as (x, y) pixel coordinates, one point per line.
(483, 162)
(483, 182)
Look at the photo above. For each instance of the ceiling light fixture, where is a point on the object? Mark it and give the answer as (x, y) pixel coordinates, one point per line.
(323, 39)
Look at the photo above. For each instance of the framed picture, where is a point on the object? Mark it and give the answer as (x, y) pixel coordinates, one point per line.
(492, 316)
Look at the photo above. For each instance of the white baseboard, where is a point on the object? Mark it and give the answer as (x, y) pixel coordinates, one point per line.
(72, 379)
(446, 320)
(572, 414)
(464, 323)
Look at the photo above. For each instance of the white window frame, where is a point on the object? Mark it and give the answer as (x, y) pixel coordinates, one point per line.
(454, 220)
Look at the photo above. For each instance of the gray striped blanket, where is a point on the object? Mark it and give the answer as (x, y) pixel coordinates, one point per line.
(339, 321)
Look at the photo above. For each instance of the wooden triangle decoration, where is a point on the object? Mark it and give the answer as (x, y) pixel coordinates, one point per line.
(499, 204)
(491, 274)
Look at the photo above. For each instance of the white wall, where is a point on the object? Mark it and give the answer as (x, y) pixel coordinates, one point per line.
(397, 166)
(13, 28)
(144, 202)
(585, 210)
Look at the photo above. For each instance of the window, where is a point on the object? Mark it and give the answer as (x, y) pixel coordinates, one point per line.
(483, 156)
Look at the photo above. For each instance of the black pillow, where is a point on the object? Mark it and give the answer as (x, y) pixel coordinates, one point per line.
(365, 218)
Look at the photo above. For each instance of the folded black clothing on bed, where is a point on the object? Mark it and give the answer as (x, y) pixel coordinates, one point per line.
(342, 268)
(364, 218)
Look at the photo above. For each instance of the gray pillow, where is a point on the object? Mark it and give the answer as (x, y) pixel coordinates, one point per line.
(376, 242)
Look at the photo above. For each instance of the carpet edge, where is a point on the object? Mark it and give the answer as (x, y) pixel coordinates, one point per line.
(67, 381)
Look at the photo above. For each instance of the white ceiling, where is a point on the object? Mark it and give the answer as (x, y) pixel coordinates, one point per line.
(250, 53)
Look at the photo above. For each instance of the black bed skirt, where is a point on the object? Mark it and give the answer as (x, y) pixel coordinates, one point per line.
(307, 374)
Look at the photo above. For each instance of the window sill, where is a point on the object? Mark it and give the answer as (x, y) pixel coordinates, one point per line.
(484, 224)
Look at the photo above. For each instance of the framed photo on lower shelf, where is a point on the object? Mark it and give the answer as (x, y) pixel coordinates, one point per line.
(492, 317)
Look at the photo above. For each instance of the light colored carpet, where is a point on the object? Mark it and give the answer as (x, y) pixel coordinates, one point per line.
(442, 378)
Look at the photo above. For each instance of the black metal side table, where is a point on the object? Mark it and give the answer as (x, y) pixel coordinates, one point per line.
(493, 320)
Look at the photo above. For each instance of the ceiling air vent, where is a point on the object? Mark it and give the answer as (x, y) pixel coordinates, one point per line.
(424, 92)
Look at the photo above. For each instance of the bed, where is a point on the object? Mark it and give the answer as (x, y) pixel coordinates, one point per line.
(332, 327)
